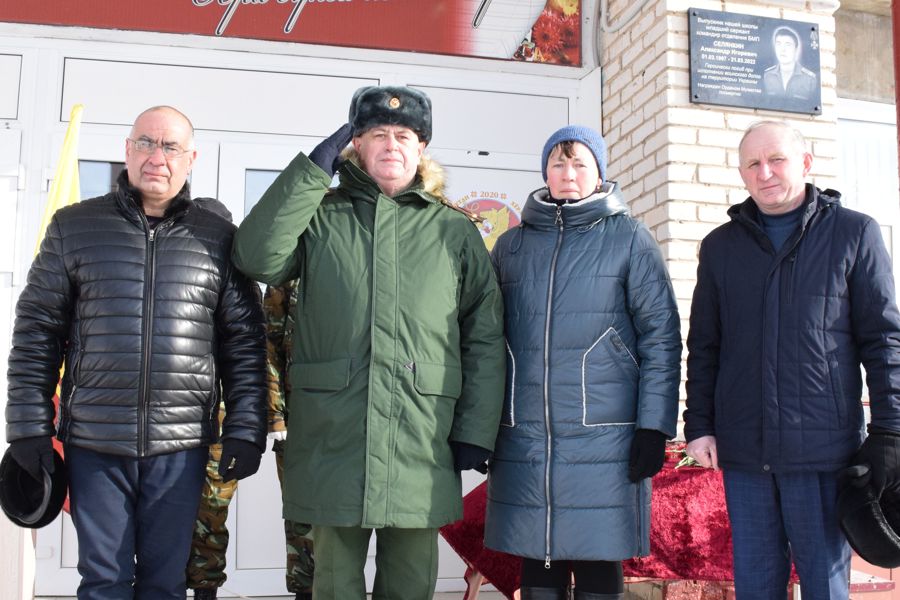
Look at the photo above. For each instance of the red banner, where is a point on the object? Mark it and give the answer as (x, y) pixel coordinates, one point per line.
(530, 30)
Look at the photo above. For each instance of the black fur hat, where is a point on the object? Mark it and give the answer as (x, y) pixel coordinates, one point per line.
(389, 105)
(870, 523)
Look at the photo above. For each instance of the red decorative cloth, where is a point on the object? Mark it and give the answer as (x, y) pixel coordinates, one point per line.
(690, 537)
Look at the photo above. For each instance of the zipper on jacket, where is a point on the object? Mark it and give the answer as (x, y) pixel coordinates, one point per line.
(65, 403)
(782, 281)
(549, 448)
(789, 278)
(76, 371)
(146, 342)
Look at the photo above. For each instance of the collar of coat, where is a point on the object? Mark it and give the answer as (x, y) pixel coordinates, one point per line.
(129, 200)
(815, 202)
(428, 185)
(540, 211)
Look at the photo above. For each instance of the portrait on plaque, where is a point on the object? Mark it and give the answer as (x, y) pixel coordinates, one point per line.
(788, 76)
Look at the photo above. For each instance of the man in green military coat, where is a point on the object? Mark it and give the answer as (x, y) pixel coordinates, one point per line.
(398, 378)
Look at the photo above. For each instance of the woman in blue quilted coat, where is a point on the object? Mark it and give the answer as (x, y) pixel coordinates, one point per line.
(593, 369)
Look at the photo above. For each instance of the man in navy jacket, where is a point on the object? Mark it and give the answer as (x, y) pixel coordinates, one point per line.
(792, 296)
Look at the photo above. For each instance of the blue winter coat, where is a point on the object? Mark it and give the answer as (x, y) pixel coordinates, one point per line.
(594, 350)
(777, 339)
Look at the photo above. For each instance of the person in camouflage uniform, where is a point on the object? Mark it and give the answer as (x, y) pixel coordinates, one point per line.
(206, 568)
(279, 304)
(206, 565)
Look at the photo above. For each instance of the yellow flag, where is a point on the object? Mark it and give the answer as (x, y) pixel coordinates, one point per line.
(64, 190)
(65, 187)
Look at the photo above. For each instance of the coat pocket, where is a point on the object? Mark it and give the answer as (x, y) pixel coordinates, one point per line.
(508, 417)
(438, 380)
(609, 382)
(332, 375)
(837, 389)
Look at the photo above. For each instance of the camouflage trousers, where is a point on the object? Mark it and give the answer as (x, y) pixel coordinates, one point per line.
(206, 565)
(300, 561)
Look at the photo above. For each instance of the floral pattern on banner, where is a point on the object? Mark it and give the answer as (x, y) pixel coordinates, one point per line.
(555, 37)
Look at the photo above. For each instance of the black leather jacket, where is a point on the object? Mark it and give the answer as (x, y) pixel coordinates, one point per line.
(148, 321)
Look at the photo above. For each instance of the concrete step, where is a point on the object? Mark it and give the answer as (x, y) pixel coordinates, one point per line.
(865, 586)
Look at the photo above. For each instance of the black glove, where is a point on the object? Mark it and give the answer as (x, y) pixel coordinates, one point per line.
(856, 476)
(246, 457)
(327, 154)
(32, 453)
(648, 453)
(468, 456)
(881, 452)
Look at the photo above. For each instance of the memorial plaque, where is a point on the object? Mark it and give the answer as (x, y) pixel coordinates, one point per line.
(754, 62)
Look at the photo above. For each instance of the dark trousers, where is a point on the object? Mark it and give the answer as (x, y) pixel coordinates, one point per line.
(776, 518)
(134, 518)
(594, 576)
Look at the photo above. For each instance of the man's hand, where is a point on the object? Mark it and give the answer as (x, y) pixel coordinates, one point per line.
(881, 452)
(33, 453)
(240, 459)
(648, 453)
(277, 426)
(703, 450)
(469, 456)
(327, 154)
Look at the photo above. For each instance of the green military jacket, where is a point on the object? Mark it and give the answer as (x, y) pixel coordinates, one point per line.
(400, 349)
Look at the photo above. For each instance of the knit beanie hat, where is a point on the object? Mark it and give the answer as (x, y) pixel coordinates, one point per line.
(577, 133)
(391, 105)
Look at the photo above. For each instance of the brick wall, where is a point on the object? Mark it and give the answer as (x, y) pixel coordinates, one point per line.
(677, 161)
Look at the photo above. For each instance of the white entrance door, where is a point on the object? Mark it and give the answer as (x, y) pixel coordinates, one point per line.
(16, 560)
(868, 179)
(256, 550)
(9, 194)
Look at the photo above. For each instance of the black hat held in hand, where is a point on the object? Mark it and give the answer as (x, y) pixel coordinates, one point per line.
(29, 502)
(870, 523)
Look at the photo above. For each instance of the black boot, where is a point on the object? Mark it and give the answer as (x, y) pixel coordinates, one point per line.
(303, 596)
(542, 593)
(205, 593)
(593, 596)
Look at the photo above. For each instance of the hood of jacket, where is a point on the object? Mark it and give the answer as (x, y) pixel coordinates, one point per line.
(747, 212)
(541, 212)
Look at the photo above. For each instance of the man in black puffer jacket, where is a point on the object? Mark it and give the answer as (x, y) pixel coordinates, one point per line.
(793, 295)
(135, 293)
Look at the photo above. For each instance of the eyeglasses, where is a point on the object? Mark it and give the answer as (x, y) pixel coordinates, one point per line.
(148, 147)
